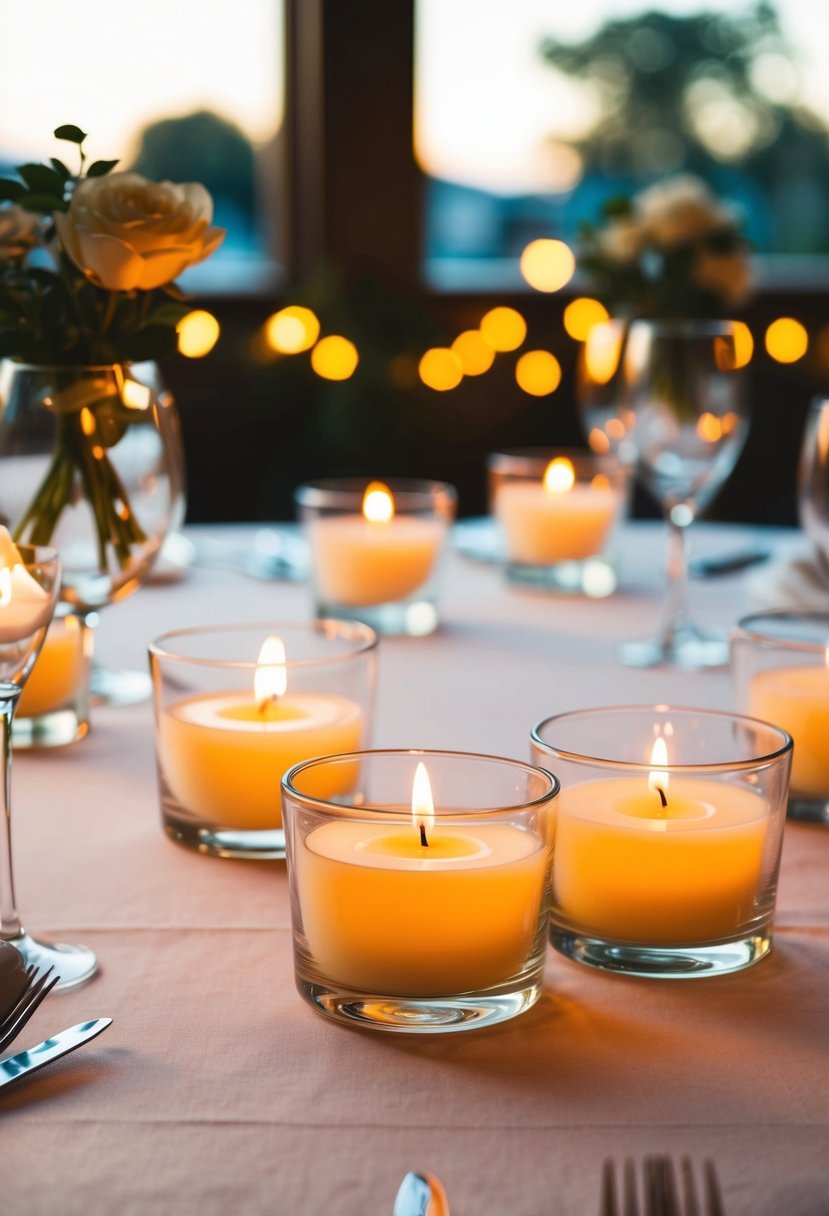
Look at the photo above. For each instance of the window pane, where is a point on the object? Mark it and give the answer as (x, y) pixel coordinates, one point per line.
(174, 88)
(529, 115)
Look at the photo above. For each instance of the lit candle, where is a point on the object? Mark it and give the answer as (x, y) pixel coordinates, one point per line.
(376, 557)
(223, 755)
(24, 605)
(671, 861)
(60, 669)
(797, 699)
(430, 909)
(557, 519)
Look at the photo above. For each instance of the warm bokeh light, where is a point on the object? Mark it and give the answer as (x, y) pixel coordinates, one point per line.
(334, 358)
(378, 503)
(136, 396)
(559, 476)
(504, 328)
(743, 344)
(709, 428)
(198, 333)
(475, 353)
(615, 428)
(598, 441)
(786, 340)
(600, 482)
(602, 351)
(547, 265)
(538, 373)
(291, 330)
(581, 315)
(441, 369)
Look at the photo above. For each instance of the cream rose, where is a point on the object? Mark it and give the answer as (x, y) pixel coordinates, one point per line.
(125, 232)
(18, 230)
(680, 209)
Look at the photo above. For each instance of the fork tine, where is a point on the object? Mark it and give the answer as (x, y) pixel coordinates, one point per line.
(631, 1204)
(36, 993)
(713, 1197)
(20, 1000)
(689, 1189)
(609, 1204)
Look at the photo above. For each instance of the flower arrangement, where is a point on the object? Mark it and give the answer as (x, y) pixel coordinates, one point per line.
(673, 250)
(88, 263)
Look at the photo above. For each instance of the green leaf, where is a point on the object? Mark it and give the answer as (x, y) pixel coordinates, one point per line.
(42, 202)
(174, 291)
(170, 313)
(11, 190)
(42, 179)
(73, 134)
(154, 342)
(99, 167)
(60, 168)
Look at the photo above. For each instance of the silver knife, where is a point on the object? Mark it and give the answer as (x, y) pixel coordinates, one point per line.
(26, 1062)
(421, 1195)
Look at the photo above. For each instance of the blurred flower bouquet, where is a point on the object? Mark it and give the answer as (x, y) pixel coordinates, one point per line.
(87, 269)
(673, 250)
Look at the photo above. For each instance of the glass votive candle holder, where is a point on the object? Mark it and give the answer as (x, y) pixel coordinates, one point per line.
(420, 896)
(780, 669)
(558, 513)
(237, 705)
(376, 549)
(668, 837)
(53, 709)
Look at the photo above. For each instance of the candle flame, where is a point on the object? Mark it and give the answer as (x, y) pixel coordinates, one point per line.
(423, 807)
(378, 503)
(5, 586)
(271, 677)
(559, 476)
(658, 777)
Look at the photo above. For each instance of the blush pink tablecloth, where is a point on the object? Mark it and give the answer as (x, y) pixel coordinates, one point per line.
(217, 1090)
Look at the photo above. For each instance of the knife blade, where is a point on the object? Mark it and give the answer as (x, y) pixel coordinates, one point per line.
(421, 1195)
(26, 1062)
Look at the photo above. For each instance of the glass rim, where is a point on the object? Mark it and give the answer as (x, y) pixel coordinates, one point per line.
(404, 815)
(638, 766)
(743, 630)
(348, 491)
(40, 554)
(365, 638)
(544, 453)
(685, 325)
(66, 368)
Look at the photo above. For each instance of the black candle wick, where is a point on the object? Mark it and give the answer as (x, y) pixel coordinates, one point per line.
(423, 839)
(661, 794)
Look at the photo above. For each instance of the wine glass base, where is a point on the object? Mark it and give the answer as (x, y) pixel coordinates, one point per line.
(687, 648)
(119, 687)
(73, 964)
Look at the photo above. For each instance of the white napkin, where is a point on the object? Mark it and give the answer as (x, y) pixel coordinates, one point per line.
(796, 580)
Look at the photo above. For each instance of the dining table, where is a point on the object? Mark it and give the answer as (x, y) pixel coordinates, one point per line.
(217, 1090)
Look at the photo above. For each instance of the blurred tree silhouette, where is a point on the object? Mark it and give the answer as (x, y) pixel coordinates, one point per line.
(713, 94)
(202, 147)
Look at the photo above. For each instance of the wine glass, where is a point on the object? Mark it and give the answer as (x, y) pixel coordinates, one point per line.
(684, 426)
(813, 480)
(29, 584)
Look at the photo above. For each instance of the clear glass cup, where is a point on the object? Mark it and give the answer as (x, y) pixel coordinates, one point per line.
(53, 710)
(419, 910)
(29, 583)
(813, 480)
(558, 513)
(376, 560)
(230, 718)
(684, 423)
(780, 670)
(668, 837)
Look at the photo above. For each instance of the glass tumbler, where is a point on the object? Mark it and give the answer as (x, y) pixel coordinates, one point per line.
(780, 669)
(376, 549)
(53, 709)
(419, 887)
(668, 837)
(558, 512)
(237, 705)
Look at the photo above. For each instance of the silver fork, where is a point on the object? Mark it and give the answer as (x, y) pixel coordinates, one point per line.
(37, 987)
(662, 1194)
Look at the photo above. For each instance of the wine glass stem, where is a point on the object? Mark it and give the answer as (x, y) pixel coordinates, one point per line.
(676, 593)
(10, 926)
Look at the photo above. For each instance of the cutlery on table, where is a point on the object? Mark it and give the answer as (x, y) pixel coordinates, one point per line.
(663, 1194)
(421, 1195)
(26, 1062)
(34, 988)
